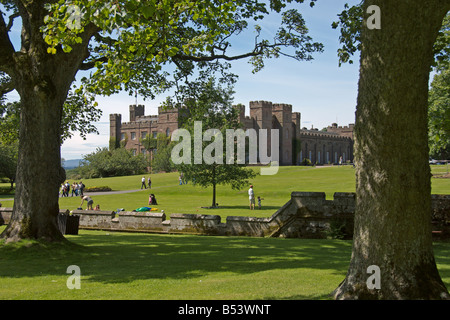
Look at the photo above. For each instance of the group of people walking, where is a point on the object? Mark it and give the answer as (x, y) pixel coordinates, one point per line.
(149, 180)
(77, 189)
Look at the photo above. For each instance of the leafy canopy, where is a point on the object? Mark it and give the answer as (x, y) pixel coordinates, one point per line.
(139, 45)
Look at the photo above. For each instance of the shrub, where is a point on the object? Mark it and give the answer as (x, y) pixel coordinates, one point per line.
(97, 189)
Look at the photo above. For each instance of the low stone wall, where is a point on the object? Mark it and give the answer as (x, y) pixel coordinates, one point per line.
(305, 215)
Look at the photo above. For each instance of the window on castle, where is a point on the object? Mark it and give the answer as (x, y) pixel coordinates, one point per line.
(155, 134)
(143, 134)
(133, 152)
(167, 132)
(122, 136)
(133, 136)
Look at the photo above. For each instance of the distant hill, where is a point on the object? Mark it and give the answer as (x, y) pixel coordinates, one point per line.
(70, 164)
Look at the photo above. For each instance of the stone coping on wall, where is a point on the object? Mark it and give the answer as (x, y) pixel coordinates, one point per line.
(298, 217)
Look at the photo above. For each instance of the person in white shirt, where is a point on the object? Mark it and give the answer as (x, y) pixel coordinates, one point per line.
(251, 197)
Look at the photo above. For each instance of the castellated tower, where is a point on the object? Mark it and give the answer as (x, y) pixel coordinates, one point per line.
(261, 113)
(282, 120)
(136, 111)
(115, 123)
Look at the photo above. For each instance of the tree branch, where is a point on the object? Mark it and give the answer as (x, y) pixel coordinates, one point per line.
(214, 56)
(11, 20)
(6, 88)
(91, 64)
(6, 48)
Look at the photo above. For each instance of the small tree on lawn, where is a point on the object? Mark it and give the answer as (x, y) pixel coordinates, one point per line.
(210, 106)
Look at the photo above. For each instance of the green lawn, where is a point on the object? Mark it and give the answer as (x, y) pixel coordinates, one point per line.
(275, 189)
(172, 267)
(149, 266)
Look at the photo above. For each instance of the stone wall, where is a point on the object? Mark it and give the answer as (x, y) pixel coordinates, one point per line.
(305, 215)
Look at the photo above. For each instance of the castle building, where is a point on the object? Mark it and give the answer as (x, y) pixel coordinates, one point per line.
(295, 145)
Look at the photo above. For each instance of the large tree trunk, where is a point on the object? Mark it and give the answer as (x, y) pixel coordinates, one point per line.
(393, 202)
(39, 173)
(42, 81)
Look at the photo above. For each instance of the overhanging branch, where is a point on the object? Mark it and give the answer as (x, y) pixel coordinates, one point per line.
(91, 64)
(6, 87)
(11, 20)
(6, 48)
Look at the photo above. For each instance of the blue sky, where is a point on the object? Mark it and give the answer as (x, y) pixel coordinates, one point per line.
(320, 90)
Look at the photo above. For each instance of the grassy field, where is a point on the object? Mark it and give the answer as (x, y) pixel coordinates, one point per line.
(171, 267)
(275, 189)
(126, 266)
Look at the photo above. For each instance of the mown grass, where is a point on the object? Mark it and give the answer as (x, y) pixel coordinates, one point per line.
(172, 267)
(275, 189)
(149, 266)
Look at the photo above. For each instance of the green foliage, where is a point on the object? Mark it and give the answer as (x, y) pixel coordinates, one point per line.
(113, 143)
(306, 162)
(340, 228)
(97, 189)
(149, 142)
(439, 116)
(211, 104)
(9, 122)
(137, 38)
(442, 46)
(117, 162)
(80, 112)
(162, 161)
(8, 161)
(351, 21)
(350, 24)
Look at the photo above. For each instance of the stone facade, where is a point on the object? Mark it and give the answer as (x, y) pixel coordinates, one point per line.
(295, 145)
(320, 147)
(140, 125)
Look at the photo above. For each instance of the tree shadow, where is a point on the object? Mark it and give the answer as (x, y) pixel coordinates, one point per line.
(274, 208)
(115, 257)
(121, 258)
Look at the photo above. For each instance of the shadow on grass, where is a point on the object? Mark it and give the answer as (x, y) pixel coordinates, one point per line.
(111, 257)
(274, 208)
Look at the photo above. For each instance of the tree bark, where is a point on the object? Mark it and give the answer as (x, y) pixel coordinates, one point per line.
(42, 81)
(214, 187)
(39, 173)
(393, 187)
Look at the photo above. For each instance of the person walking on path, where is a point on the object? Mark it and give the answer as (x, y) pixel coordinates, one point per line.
(143, 183)
(251, 198)
(149, 183)
(82, 186)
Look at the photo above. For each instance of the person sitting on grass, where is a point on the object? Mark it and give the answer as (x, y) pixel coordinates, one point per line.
(89, 201)
(152, 199)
